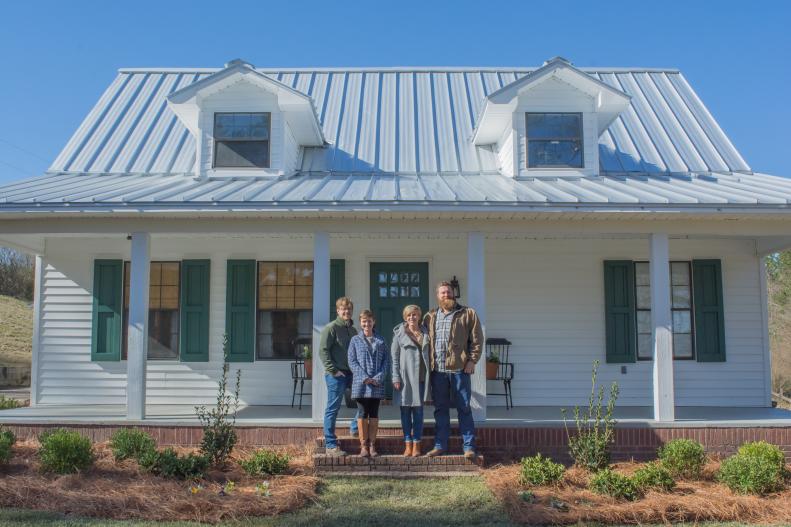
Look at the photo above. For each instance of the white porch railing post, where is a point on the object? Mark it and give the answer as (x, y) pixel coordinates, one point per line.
(476, 298)
(38, 293)
(137, 341)
(662, 328)
(321, 304)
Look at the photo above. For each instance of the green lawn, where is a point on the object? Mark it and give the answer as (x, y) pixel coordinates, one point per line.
(352, 502)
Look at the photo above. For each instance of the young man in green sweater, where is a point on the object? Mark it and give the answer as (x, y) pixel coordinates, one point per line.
(333, 350)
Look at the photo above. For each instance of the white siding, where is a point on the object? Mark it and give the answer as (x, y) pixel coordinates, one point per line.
(546, 296)
(556, 324)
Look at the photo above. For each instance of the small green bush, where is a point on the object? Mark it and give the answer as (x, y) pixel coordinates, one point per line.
(264, 462)
(7, 440)
(129, 443)
(757, 468)
(611, 483)
(169, 464)
(7, 403)
(64, 452)
(539, 470)
(653, 476)
(684, 458)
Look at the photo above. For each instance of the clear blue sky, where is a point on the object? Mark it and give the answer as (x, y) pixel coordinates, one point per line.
(58, 57)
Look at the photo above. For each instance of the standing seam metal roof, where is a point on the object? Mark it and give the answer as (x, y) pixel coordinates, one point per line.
(404, 121)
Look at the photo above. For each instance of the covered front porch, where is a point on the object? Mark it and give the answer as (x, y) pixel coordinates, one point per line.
(534, 281)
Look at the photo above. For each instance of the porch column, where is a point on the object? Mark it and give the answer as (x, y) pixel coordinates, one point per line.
(137, 341)
(321, 301)
(476, 293)
(662, 328)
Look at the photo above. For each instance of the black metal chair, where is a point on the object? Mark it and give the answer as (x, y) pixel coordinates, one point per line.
(299, 373)
(505, 370)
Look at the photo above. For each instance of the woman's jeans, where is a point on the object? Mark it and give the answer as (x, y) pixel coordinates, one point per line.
(412, 423)
(412, 420)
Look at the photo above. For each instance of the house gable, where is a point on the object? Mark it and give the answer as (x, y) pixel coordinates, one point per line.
(240, 88)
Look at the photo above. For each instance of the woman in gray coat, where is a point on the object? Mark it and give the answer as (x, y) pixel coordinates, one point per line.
(409, 351)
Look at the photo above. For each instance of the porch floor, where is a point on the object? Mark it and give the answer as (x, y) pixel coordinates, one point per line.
(279, 416)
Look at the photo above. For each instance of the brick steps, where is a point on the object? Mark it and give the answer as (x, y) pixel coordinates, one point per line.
(388, 444)
(448, 465)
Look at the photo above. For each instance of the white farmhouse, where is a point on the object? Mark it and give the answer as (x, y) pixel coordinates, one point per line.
(588, 214)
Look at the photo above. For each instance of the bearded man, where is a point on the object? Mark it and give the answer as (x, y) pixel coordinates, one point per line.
(456, 340)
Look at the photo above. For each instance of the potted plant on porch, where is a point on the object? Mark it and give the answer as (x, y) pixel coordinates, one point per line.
(492, 364)
(307, 356)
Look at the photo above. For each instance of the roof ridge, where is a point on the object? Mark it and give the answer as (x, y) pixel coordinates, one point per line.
(399, 69)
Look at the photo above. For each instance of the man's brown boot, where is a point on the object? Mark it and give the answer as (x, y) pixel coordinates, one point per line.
(416, 449)
(373, 428)
(407, 448)
(362, 427)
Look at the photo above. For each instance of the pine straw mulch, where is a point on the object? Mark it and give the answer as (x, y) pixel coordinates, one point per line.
(120, 490)
(690, 501)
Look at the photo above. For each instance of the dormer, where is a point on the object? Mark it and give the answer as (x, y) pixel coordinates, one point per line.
(548, 122)
(246, 123)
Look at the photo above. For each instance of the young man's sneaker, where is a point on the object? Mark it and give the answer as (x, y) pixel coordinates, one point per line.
(434, 452)
(334, 451)
(470, 455)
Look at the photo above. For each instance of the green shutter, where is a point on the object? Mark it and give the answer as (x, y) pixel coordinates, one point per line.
(709, 310)
(337, 284)
(240, 310)
(107, 306)
(619, 311)
(194, 338)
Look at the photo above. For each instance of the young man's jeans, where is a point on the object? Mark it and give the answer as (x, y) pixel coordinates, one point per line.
(447, 388)
(336, 386)
(412, 421)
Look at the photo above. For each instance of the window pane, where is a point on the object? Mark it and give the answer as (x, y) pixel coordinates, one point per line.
(170, 273)
(383, 292)
(643, 297)
(155, 274)
(285, 297)
(278, 331)
(267, 297)
(163, 333)
(285, 273)
(644, 350)
(393, 291)
(682, 322)
(641, 273)
(679, 273)
(242, 154)
(382, 278)
(644, 322)
(542, 153)
(169, 297)
(682, 346)
(303, 297)
(153, 297)
(553, 126)
(681, 296)
(223, 125)
(267, 273)
(303, 273)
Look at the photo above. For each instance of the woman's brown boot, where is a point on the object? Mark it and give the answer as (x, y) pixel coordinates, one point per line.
(416, 449)
(362, 427)
(407, 448)
(373, 428)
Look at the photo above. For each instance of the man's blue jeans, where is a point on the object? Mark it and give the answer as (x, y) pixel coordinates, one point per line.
(336, 386)
(456, 387)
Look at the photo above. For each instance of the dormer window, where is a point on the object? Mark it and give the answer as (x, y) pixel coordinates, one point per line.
(554, 140)
(241, 140)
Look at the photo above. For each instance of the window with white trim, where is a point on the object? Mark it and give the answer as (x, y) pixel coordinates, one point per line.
(554, 140)
(163, 310)
(242, 140)
(284, 310)
(680, 305)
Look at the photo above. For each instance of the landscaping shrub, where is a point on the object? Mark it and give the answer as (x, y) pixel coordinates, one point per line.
(64, 452)
(684, 458)
(264, 462)
(757, 468)
(129, 443)
(614, 484)
(7, 440)
(169, 464)
(653, 476)
(7, 403)
(219, 434)
(539, 470)
(590, 446)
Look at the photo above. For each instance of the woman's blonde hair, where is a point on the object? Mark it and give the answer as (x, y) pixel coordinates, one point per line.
(367, 313)
(408, 309)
